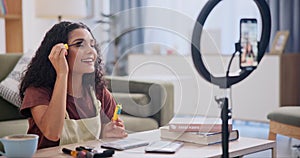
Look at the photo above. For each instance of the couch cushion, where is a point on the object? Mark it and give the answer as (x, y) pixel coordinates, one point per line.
(9, 86)
(138, 124)
(7, 63)
(132, 103)
(288, 115)
(9, 111)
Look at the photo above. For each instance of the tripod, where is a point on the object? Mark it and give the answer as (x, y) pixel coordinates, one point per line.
(225, 116)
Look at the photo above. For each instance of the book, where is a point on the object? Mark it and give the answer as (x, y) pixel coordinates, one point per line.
(197, 137)
(197, 124)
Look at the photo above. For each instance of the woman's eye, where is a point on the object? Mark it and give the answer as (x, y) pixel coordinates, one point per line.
(79, 44)
(84, 44)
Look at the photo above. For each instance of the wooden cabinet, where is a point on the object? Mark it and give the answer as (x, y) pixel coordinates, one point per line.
(13, 26)
(290, 79)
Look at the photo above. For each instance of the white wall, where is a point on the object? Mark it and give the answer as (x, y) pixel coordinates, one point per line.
(252, 99)
(224, 17)
(34, 28)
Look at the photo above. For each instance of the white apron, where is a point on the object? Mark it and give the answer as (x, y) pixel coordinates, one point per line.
(81, 130)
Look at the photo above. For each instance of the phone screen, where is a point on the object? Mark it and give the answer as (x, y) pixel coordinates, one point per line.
(248, 39)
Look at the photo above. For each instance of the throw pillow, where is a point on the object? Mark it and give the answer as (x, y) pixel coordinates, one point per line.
(9, 87)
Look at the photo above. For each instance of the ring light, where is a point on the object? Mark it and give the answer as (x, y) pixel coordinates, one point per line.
(228, 81)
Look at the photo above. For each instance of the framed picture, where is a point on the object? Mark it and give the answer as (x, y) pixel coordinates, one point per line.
(279, 42)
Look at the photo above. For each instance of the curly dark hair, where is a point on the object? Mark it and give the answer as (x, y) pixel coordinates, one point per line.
(41, 73)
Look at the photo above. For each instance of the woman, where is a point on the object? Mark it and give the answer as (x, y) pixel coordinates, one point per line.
(63, 90)
(248, 54)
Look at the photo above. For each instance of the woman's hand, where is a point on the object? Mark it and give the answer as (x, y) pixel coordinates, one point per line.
(58, 59)
(114, 129)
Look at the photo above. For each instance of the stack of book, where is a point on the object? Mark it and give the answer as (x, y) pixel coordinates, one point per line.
(204, 131)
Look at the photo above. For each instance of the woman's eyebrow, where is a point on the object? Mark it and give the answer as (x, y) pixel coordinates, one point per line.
(76, 40)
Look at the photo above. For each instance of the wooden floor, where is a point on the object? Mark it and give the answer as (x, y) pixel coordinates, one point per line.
(260, 130)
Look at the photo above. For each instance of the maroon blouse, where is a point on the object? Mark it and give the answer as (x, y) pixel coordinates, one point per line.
(76, 107)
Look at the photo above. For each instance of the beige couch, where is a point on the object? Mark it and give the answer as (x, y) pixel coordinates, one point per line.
(146, 105)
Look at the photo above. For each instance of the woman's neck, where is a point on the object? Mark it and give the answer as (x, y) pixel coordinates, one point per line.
(75, 85)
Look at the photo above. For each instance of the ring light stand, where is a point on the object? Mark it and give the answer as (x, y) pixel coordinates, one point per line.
(227, 81)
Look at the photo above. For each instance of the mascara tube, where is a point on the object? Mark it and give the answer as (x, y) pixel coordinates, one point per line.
(77, 154)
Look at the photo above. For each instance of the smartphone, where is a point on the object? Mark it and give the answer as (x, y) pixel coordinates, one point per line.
(249, 45)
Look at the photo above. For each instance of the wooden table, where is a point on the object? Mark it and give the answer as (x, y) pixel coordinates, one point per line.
(240, 147)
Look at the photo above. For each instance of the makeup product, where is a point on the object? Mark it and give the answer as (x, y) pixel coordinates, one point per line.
(74, 153)
(85, 148)
(81, 153)
(66, 46)
(117, 112)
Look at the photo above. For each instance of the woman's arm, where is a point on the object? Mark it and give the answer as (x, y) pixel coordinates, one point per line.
(110, 128)
(50, 119)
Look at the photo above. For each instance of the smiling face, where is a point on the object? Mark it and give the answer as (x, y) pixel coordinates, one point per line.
(81, 53)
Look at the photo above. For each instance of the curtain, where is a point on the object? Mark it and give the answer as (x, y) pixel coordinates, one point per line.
(128, 36)
(286, 16)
